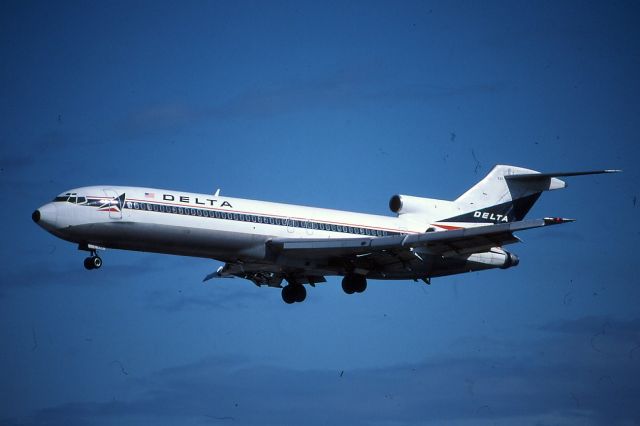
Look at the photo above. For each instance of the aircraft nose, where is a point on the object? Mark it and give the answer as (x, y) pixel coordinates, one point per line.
(46, 216)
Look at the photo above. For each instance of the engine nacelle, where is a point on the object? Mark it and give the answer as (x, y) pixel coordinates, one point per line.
(402, 204)
(406, 204)
(495, 258)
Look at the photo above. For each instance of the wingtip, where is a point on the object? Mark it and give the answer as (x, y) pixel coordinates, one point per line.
(613, 171)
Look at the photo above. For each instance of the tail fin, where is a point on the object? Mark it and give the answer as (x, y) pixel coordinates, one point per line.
(507, 194)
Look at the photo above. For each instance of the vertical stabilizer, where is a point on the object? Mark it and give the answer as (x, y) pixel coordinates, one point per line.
(507, 194)
(497, 198)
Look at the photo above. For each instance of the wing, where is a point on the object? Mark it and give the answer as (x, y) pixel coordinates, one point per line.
(456, 242)
(304, 260)
(269, 274)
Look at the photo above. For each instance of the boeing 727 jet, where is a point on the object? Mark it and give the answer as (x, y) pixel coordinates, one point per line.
(270, 243)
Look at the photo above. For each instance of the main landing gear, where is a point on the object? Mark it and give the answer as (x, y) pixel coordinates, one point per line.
(93, 262)
(354, 284)
(294, 293)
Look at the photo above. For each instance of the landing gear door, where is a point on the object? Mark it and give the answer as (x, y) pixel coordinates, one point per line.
(115, 204)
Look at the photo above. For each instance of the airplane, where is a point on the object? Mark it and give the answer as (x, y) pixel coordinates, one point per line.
(269, 243)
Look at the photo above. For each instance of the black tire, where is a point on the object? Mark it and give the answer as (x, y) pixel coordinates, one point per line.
(347, 285)
(288, 294)
(96, 261)
(88, 263)
(300, 293)
(361, 284)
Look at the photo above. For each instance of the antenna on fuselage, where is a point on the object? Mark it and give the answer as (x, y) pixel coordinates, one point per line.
(217, 193)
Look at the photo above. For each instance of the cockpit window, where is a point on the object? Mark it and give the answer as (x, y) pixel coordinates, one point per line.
(70, 197)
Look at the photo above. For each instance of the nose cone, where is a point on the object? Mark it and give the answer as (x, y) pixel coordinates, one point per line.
(46, 216)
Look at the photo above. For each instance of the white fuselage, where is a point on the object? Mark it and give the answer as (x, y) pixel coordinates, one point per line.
(202, 225)
(268, 243)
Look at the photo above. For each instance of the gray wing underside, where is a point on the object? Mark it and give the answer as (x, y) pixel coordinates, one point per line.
(455, 242)
(308, 260)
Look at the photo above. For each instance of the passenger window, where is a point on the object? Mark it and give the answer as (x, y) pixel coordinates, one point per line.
(136, 206)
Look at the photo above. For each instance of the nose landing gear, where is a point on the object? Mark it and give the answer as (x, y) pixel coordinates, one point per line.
(93, 262)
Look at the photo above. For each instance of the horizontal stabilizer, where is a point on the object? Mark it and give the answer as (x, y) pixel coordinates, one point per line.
(534, 176)
(557, 220)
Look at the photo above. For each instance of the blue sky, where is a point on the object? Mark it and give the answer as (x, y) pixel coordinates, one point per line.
(334, 105)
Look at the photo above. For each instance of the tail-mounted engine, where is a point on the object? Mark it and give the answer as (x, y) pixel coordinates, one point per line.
(403, 204)
(406, 204)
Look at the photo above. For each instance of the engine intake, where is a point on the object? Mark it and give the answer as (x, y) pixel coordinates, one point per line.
(395, 203)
